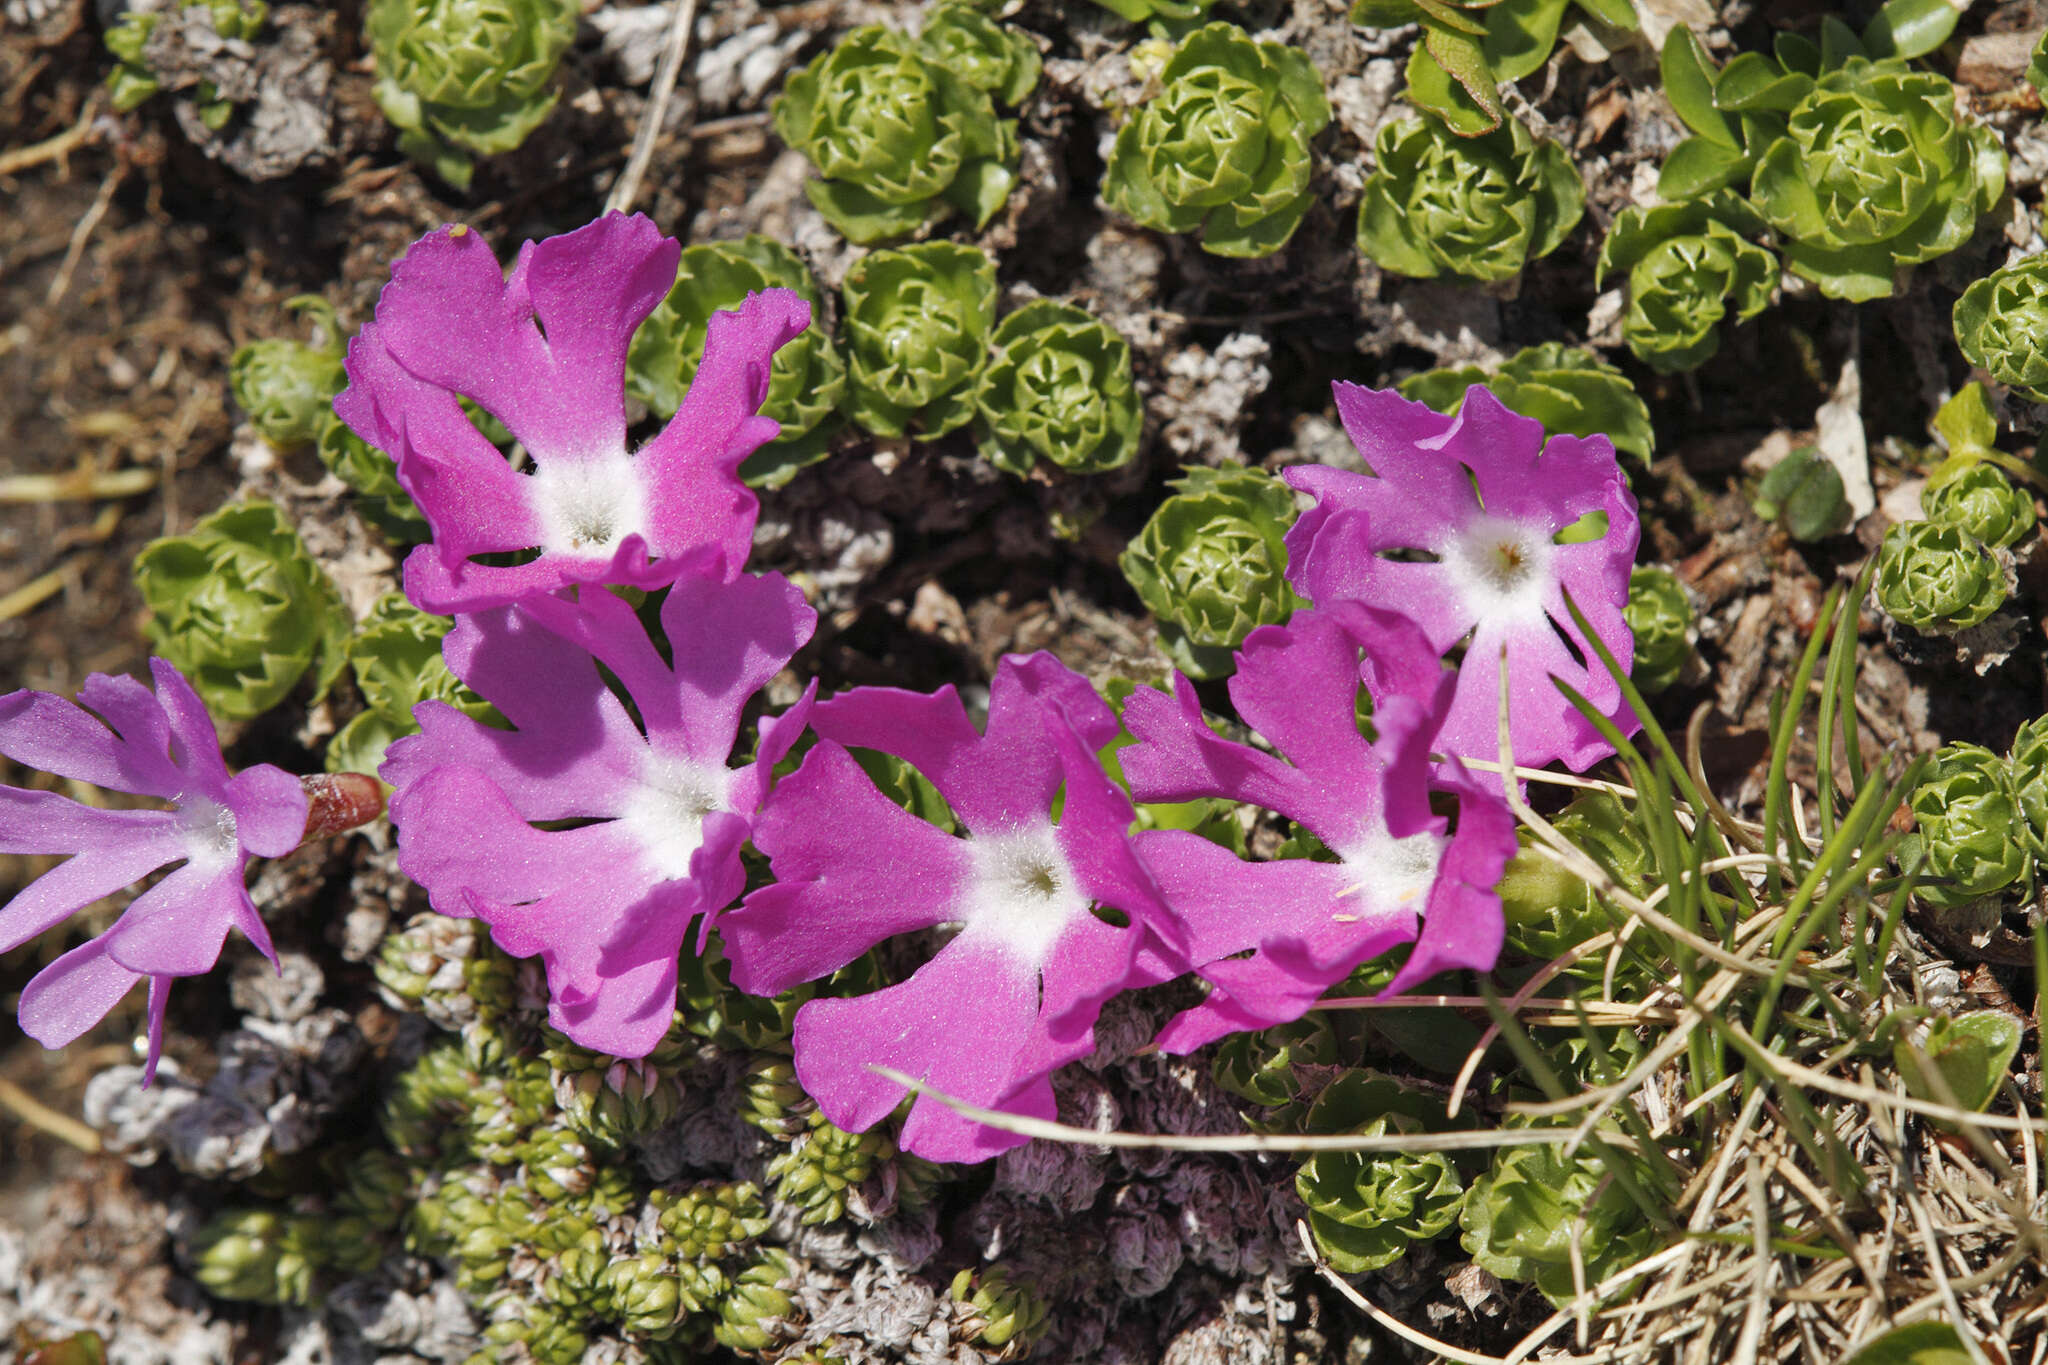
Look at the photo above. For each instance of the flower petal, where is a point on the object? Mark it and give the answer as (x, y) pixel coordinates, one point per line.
(1462, 926)
(79, 881)
(66, 998)
(177, 927)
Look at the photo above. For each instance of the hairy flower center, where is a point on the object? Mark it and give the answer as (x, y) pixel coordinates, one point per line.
(666, 811)
(586, 507)
(1393, 874)
(1023, 893)
(1501, 568)
(209, 831)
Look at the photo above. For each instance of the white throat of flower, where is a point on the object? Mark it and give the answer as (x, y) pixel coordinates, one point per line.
(665, 811)
(1022, 893)
(1390, 874)
(209, 830)
(587, 506)
(1502, 569)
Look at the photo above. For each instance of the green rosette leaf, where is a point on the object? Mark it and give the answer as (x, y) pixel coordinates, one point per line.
(240, 608)
(1967, 809)
(466, 78)
(1548, 910)
(1690, 266)
(1659, 616)
(2000, 322)
(1140, 11)
(917, 333)
(1223, 149)
(2037, 66)
(287, 386)
(807, 379)
(1366, 1208)
(1058, 388)
(1937, 578)
(1976, 496)
(1523, 1215)
(1874, 173)
(2027, 766)
(997, 59)
(380, 498)
(1211, 565)
(1566, 388)
(396, 655)
(1481, 207)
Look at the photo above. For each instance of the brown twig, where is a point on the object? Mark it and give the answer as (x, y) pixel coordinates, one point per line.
(627, 187)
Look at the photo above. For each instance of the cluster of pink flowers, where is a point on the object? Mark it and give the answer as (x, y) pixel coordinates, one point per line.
(608, 819)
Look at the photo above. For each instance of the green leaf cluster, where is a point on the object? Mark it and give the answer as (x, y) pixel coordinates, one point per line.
(1659, 616)
(1937, 578)
(132, 81)
(1482, 207)
(1803, 493)
(806, 382)
(1566, 388)
(1524, 1215)
(396, 654)
(1967, 810)
(1002, 1313)
(918, 322)
(1211, 564)
(380, 498)
(1058, 388)
(466, 78)
(1366, 1208)
(1690, 266)
(2027, 765)
(286, 386)
(1139, 11)
(904, 130)
(1223, 149)
(253, 1255)
(1970, 1054)
(1974, 495)
(1549, 910)
(1469, 47)
(2000, 321)
(240, 608)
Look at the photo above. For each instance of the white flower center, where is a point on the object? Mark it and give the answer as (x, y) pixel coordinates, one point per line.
(586, 507)
(1023, 894)
(665, 811)
(209, 832)
(1501, 568)
(1392, 874)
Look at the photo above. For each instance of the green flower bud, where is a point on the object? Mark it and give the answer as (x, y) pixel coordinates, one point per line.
(1059, 388)
(900, 137)
(1968, 811)
(816, 1171)
(645, 1296)
(1874, 173)
(1565, 388)
(396, 653)
(807, 378)
(1937, 578)
(1480, 207)
(1520, 1219)
(1803, 493)
(380, 498)
(2000, 321)
(1659, 615)
(1211, 564)
(1003, 1314)
(466, 77)
(1690, 265)
(1974, 495)
(377, 1187)
(917, 334)
(750, 1315)
(994, 58)
(1366, 1207)
(1550, 911)
(284, 385)
(2027, 766)
(1223, 149)
(772, 1100)
(1265, 1066)
(257, 1256)
(240, 608)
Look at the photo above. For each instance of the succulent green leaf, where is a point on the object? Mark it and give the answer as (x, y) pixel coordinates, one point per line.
(1911, 28)
(1937, 578)
(2000, 321)
(1659, 616)
(1971, 1053)
(242, 610)
(1690, 265)
(1480, 207)
(1448, 77)
(918, 322)
(1965, 422)
(1976, 496)
(396, 655)
(1138, 11)
(1550, 911)
(2027, 765)
(1058, 388)
(1803, 493)
(1521, 1215)
(1266, 1067)
(1566, 388)
(2037, 65)
(466, 78)
(1920, 1343)
(1689, 77)
(1751, 82)
(995, 58)
(286, 386)
(1365, 1208)
(1699, 166)
(1967, 809)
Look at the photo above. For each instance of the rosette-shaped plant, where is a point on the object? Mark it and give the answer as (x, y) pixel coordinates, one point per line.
(1567, 388)
(1937, 578)
(239, 607)
(1211, 564)
(1482, 207)
(1975, 495)
(287, 386)
(917, 332)
(1535, 1206)
(2000, 321)
(133, 81)
(2027, 766)
(380, 499)
(466, 78)
(1058, 388)
(1875, 172)
(1551, 910)
(1659, 616)
(1968, 811)
(1690, 267)
(396, 654)
(806, 381)
(900, 137)
(1366, 1207)
(991, 57)
(1223, 149)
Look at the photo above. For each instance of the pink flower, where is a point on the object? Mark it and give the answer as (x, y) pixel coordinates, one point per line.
(1399, 877)
(1475, 503)
(163, 746)
(606, 903)
(1014, 994)
(544, 351)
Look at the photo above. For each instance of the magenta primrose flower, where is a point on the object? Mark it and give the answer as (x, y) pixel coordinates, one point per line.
(163, 746)
(1399, 876)
(605, 904)
(1457, 526)
(544, 351)
(1015, 993)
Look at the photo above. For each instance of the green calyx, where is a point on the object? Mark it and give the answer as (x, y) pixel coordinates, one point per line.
(1524, 1216)
(466, 78)
(1937, 578)
(917, 333)
(2000, 321)
(1690, 266)
(1567, 388)
(1469, 47)
(1058, 388)
(806, 381)
(286, 386)
(2027, 766)
(1659, 616)
(1481, 207)
(1365, 1208)
(240, 608)
(1211, 564)
(1974, 495)
(1968, 809)
(901, 131)
(396, 654)
(1223, 149)
(1803, 493)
